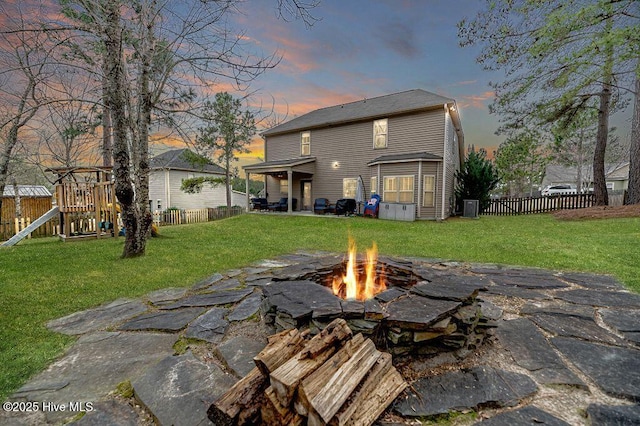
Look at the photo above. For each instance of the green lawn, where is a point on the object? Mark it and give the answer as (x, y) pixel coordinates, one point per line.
(44, 279)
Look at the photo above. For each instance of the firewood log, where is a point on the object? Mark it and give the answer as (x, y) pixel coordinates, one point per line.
(313, 384)
(274, 414)
(243, 394)
(281, 348)
(286, 378)
(378, 389)
(344, 381)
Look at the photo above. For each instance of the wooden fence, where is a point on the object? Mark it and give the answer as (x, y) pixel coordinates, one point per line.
(32, 208)
(180, 217)
(516, 206)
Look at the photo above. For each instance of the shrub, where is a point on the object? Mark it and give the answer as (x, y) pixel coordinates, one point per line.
(475, 180)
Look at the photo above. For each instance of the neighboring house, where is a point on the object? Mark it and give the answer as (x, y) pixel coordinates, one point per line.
(406, 147)
(169, 169)
(616, 176)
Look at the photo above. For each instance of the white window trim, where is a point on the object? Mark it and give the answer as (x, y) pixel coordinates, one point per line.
(386, 133)
(302, 144)
(398, 191)
(425, 191)
(353, 182)
(374, 185)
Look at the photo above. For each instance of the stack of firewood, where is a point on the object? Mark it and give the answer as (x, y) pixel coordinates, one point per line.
(333, 378)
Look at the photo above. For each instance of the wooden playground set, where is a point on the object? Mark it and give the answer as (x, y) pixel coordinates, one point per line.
(86, 198)
(86, 205)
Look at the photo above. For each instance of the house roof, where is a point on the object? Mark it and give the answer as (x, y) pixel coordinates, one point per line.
(27, 191)
(556, 173)
(410, 156)
(292, 162)
(382, 106)
(177, 160)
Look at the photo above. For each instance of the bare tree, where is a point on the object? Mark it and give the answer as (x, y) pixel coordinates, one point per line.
(156, 57)
(67, 129)
(24, 67)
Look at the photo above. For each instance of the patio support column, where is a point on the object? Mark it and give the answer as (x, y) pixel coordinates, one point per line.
(290, 187)
(246, 190)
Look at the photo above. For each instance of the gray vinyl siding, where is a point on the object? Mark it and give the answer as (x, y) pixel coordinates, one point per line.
(284, 146)
(351, 145)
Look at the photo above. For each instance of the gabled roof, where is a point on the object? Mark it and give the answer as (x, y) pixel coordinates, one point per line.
(178, 159)
(382, 106)
(27, 191)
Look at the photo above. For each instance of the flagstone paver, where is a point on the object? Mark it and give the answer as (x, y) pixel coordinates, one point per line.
(577, 330)
(102, 317)
(179, 389)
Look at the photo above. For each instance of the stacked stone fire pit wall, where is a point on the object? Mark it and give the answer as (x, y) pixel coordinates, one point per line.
(422, 311)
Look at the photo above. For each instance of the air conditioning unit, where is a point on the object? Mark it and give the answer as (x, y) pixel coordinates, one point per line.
(470, 209)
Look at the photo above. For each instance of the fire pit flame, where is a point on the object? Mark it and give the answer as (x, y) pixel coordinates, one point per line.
(350, 285)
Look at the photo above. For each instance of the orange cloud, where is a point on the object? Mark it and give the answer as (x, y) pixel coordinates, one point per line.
(477, 101)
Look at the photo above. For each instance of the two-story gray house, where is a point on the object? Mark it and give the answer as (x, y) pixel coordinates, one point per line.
(405, 146)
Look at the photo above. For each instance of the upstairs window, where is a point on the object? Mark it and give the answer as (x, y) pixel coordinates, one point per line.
(380, 134)
(305, 143)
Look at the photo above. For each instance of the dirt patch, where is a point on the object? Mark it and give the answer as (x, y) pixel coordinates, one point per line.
(599, 212)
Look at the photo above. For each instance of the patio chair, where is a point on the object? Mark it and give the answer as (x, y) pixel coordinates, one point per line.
(322, 206)
(259, 204)
(282, 205)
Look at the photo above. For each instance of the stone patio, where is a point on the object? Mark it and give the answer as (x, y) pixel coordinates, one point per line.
(566, 349)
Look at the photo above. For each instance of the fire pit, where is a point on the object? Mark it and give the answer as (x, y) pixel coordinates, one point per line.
(403, 307)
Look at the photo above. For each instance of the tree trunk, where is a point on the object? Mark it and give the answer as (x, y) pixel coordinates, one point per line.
(633, 195)
(106, 122)
(579, 184)
(17, 199)
(599, 182)
(228, 185)
(116, 103)
(141, 143)
(602, 135)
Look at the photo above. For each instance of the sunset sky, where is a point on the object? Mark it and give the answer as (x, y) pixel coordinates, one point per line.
(362, 49)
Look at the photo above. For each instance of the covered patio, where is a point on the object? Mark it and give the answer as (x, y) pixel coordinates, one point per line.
(293, 170)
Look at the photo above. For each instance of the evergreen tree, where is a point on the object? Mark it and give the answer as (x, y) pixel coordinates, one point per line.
(476, 179)
(227, 132)
(559, 57)
(521, 163)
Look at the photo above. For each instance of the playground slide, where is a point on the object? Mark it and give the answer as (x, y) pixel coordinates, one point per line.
(29, 229)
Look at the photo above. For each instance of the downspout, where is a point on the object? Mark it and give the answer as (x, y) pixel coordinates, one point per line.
(444, 159)
(419, 188)
(289, 189)
(246, 189)
(167, 191)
